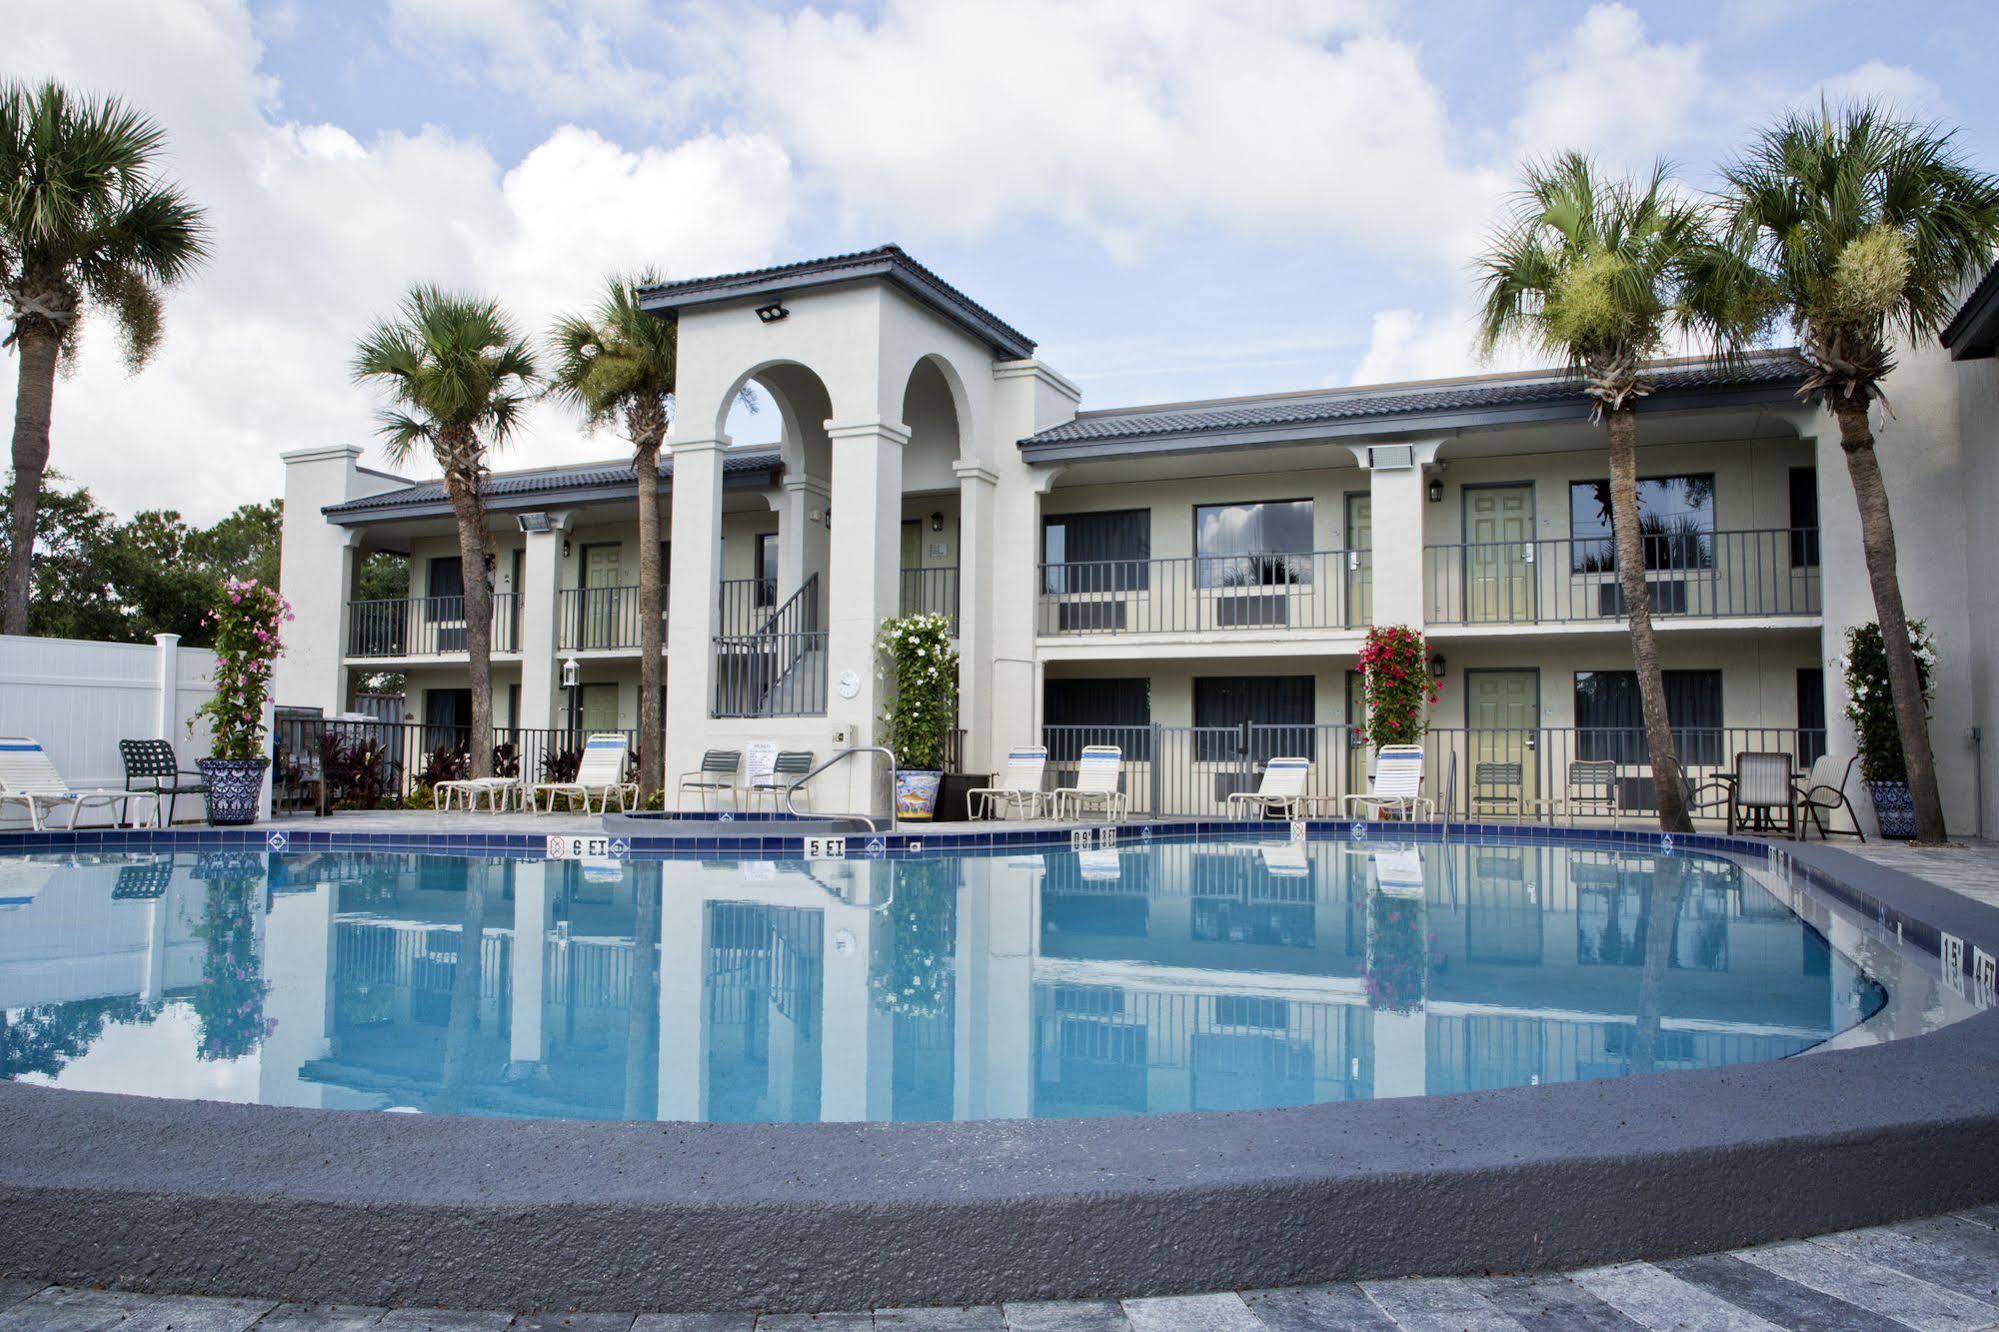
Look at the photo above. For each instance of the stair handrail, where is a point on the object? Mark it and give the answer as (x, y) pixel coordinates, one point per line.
(841, 757)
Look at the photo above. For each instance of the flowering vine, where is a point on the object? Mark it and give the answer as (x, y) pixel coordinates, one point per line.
(1870, 700)
(1395, 666)
(922, 667)
(247, 623)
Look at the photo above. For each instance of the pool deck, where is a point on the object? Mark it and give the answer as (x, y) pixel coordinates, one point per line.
(1938, 1272)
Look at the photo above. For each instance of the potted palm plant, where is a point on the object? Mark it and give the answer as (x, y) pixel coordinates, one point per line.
(247, 623)
(1877, 731)
(921, 666)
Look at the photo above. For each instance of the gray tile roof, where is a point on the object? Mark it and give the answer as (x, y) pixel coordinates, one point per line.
(1390, 403)
(552, 485)
(1973, 331)
(891, 262)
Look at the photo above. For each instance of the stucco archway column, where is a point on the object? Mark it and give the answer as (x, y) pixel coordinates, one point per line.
(691, 612)
(976, 486)
(1397, 487)
(863, 585)
(802, 545)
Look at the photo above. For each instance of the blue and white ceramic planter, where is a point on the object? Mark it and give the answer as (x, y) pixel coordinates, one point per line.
(916, 795)
(234, 787)
(1894, 808)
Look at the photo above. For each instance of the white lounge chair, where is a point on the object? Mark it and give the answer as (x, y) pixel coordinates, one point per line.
(1282, 789)
(1397, 786)
(1096, 787)
(498, 792)
(28, 777)
(1019, 786)
(601, 773)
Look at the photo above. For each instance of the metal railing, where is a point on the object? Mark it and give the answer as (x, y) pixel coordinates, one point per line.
(382, 765)
(589, 618)
(1568, 580)
(930, 592)
(426, 626)
(1502, 774)
(778, 669)
(1320, 589)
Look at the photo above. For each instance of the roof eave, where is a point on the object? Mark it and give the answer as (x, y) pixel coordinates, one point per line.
(1973, 332)
(1390, 427)
(378, 511)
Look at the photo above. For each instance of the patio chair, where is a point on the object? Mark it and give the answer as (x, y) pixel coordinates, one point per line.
(28, 777)
(1592, 789)
(1019, 786)
(1757, 791)
(786, 768)
(601, 773)
(717, 773)
(1499, 784)
(498, 792)
(1282, 789)
(1396, 786)
(1823, 792)
(154, 763)
(1098, 775)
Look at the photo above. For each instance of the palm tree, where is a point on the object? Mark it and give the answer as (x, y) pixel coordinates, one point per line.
(616, 365)
(1602, 273)
(1869, 227)
(83, 223)
(458, 376)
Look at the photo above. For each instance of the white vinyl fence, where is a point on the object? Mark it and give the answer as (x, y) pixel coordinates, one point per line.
(80, 699)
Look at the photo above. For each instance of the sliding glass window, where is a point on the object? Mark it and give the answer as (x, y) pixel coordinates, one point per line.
(1097, 552)
(1675, 523)
(1266, 544)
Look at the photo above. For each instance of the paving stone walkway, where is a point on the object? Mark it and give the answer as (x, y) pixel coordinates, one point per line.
(1939, 1274)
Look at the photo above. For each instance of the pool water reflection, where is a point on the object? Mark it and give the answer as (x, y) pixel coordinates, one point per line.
(1160, 977)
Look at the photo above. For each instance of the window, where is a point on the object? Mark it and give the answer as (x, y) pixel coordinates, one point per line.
(1097, 712)
(1804, 517)
(767, 569)
(1675, 523)
(1811, 715)
(1610, 721)
(1097, 552)
(447, 576)
(1279, 707)
(1253, 545)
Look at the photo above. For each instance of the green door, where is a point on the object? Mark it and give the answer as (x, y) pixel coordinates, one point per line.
(1360, 553)
(602, 574)
(1502, 741)
(1356, 735)
(1499, 554)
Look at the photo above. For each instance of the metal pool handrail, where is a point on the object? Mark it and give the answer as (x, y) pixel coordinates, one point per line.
(792, 790)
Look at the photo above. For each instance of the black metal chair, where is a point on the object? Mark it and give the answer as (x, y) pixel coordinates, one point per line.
(150, 765)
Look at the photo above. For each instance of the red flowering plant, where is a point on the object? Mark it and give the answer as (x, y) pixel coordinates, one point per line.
(1398, 952)
(1395, 666)
(247, 624)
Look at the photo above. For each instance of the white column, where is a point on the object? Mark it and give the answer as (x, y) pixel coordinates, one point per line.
(855, 1046)
(691, 596)
(1005, 1087)
(1398, 496)
(532, 904)
(802, 540)
(165, 723)
(1401, 1051)
(862, 588)
(683, 1029)
(976, 553)
(541, 585)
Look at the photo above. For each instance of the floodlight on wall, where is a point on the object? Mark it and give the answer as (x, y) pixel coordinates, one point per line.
(535, 522)
(773, 312)
(937, 521)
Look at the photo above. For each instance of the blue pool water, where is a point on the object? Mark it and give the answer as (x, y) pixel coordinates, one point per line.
(1158, 977)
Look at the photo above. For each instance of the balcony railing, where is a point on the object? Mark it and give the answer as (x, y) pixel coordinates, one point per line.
(1479, 773)
(778, 668)
(588, 618)
(930, 592)
(1320, 589)
(1701, 575)
(425, 626)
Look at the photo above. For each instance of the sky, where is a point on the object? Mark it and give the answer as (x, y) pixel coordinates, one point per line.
(1177, 199)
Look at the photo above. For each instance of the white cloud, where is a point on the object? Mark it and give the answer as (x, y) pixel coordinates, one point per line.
(1899, 87)
(1610, 92)
(569, 59)
(317, 233)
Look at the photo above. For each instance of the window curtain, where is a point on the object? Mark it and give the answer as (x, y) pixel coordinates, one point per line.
(1097, 712)
(1279, 708)
(1610, 719)
(1098, 552)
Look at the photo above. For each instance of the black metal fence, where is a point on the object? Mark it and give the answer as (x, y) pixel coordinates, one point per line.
(381, 765)
(1319, 589)
(426, 626)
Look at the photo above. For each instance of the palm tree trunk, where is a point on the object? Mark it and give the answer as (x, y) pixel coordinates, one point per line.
(642, 997)
(652, 613)
(470, 510)
(1672, 794)
(34, 399)
(1662, 917)
(1877, 539)
(461, 1025)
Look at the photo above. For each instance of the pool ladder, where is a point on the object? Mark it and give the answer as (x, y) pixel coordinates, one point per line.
(841, 757)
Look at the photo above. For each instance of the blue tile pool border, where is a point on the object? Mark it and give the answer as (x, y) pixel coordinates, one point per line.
(321, 1205)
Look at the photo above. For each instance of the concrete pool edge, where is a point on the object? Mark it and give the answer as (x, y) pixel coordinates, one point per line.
(204, 1198)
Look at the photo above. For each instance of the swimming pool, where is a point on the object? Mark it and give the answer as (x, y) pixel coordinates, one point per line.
(1156, 977)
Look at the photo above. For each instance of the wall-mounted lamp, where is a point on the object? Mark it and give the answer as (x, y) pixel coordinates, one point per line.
(565, 548)
(937, 521)
(1436, 665)
(773, 312)
(1436, 490)
(571, 671)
